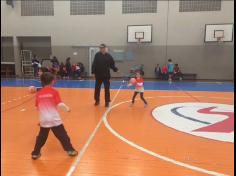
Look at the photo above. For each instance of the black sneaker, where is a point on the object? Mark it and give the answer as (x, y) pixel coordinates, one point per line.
(72, 153)
(35, 156)
(96, 103)
(107, 104)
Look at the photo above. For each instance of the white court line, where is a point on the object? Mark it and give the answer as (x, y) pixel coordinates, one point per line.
(178, 96)
(85, 147)
(15, 99)
(221, 98)
(151, 152)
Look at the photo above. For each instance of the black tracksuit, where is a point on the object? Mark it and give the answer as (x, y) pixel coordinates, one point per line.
(101, 68)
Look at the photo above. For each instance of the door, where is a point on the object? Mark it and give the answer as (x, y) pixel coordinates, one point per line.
(92, 52)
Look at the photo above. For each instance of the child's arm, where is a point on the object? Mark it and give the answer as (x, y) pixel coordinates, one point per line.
(128, 85)
(140, 84)
(63, 106)
(59, 103)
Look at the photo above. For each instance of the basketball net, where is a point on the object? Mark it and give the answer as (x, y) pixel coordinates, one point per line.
(220, 39)
(139, 42)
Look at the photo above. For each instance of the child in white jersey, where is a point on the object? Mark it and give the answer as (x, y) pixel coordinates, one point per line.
(47, 101)
(139, 87)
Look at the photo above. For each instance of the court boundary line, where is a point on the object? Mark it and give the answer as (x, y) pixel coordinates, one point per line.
(156, 90)
(91, 137)
(217, 82)
(18, 105)
(149, 152)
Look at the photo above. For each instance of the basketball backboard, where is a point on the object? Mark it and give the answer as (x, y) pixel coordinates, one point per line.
(139, 33)
(214, 32)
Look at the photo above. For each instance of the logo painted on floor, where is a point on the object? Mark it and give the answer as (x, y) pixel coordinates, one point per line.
(208, 120)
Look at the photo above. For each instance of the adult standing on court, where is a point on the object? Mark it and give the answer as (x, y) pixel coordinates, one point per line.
(101, 66)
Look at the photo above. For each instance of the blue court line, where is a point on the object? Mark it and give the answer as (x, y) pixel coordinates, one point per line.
(184, 86)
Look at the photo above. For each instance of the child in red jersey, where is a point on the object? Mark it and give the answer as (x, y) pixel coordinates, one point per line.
(164, 72)
(139, 88)
(47, 101)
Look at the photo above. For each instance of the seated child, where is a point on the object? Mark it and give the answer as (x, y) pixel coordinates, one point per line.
(165, 72)
(62, 70)
(157, 71)
(177, 73)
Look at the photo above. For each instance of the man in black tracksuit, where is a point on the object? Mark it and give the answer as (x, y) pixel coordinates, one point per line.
(102, 64)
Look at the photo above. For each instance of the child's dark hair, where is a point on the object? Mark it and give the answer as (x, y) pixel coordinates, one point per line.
(141, 72)
(46, 78)
(169, 60)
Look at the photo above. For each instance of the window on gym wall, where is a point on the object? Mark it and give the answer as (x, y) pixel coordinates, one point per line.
(199, 5)
(139, 6)
(37, 8)
(87, 7)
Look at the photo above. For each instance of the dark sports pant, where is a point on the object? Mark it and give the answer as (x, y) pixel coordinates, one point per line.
(36, 70)
(98, 84)
(177, 75)
(170, 75)
(59, 132)
(141, 96)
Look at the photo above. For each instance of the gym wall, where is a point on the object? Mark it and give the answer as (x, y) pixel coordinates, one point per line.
(182, 40)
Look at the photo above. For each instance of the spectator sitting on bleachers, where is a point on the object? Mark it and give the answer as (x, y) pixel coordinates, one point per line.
(78, 71)
(62, 70)
(158, 71)
(68, 68)
(73, 70)
(177, 73)
(165, 72)
(55, 60)
(55, 65)
(83, 72)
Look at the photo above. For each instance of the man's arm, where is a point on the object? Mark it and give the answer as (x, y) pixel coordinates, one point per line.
(94, 64)
(112, 64)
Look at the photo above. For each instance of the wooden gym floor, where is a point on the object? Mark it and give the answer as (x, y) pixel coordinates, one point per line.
(119, 141)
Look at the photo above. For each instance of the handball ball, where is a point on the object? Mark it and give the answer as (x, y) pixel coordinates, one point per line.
(32, 89)
(133, 81)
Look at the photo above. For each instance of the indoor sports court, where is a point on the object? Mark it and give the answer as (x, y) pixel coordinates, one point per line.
(166, 76)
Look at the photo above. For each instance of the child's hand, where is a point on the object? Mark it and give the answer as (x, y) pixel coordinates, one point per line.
(68, 110)
(129, 85)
